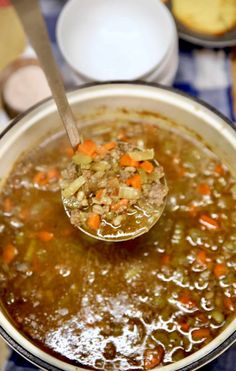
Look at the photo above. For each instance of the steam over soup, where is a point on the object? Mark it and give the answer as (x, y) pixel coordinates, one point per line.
(121, 306)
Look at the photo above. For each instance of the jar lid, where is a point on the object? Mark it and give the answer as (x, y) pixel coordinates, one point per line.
(23, 85)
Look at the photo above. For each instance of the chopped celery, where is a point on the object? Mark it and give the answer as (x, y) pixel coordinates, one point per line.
(217, 316)
(81, 159)
(100, 166)
(30, 251)
(143, 175)
(133, 272)
(128, 192)
(147, 154)
(85, 167)
(20, 238)
(156, 174)
(73, 187)
(72, 204)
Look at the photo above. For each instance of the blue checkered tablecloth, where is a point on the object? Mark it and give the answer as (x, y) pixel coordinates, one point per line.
(203, 73)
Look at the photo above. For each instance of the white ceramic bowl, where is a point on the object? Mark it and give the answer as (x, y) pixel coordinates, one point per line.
(166, 72)
(115, 40)
(111, 101)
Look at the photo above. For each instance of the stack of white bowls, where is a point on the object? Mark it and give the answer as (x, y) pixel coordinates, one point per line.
(117, 40)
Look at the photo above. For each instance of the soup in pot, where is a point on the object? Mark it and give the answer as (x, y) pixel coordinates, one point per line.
(134, 305)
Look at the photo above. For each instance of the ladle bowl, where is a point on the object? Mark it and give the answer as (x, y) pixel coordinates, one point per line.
(128, 235)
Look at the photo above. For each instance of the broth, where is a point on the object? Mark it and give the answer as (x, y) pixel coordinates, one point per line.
(121, 306)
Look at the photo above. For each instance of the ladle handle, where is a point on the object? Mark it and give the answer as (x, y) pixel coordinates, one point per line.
(30, 15)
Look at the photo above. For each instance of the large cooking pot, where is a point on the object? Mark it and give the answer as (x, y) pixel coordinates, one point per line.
(115, 100)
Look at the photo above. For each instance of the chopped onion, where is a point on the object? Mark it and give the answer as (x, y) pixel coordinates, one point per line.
(117, 220)
(130, 169)
(147, 154)
(73, 187)
(98, 209)
(128, 192)
(106, 200)
(84, 202)
(80, 195)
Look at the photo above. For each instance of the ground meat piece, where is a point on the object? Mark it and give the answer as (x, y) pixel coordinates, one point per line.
(157, 194)
(70, 172)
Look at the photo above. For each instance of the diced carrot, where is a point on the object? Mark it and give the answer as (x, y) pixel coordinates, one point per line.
(165, 259)
(9, 253)
(220, 269)
(201, 333)
(184, 326)
(153, 357)
(94, 221)
(147, 166)
(110, 145)
(208, 222)
(126, 160)
(45, 236)
(43, 178)
(202, 317)
(35, 264)
(40, 178)
(210, 265)
(193, 210)
(228, 303)
(202, 257)
(101, 151)
(122, 136)
(134, 181)
(99, 194)
(88, 147)
(185, 299)
(69, 151)
(219, 169)
(181, 171)
(53, 174)
(67, 232)
(123, 203)
(204, 189)
(24, 213)
(7, 205)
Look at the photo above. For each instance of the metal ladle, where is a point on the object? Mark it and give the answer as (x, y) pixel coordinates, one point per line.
(30, 15)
